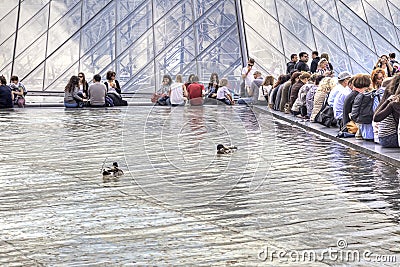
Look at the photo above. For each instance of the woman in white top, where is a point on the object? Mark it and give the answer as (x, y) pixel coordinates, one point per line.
(177, 92)
(223, 93)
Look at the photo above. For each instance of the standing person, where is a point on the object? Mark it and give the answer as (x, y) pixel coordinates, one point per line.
(253, 93)
(247, 76)
(383, 63)
(392, 59)
(314, 62)
(223, 94)
(97, 92)
(195, 92)
(302, 64)
(18, 90)
(177, 92)
(290, 65)
(83, 85)
(6, 97)
(71, 96)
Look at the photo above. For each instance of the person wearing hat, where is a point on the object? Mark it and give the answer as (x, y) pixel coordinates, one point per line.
(323, 68)
(342, 90)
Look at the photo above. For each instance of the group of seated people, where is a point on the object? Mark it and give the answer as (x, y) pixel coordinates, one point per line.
(364, 106)
(12, 94)
(78, 93)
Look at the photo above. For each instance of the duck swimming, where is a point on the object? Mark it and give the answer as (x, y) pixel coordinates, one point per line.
(113, 171)
(221, 149)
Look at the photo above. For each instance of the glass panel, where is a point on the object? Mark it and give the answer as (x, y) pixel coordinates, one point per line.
(202, 6)
(355, 6)
(143, 82)
(29, 8)
(293, 45)
(99, 57)
(267, 5)
(6, 71)
(295, 23)
(172, 25)
(134, 59)
(161, 7)
(261, 22)
(6, 51)
(337, 57)
(380, 6)
(357, 68)
(60, 8)
(137, 24)
(93, 8)
(62, 60)
(325, 23)
(265, 55)
(355, 25)
(8, 25)
(381, 25)
(31, 57)
(127, 7)
(5, 9)
(382, 46)
(34, 81)
(64, 29)
(359, 52)
(328, 5)
(32, 30)
(300, 6)
(98, 28)
(395, 11)
(62, 79)
(214, 25)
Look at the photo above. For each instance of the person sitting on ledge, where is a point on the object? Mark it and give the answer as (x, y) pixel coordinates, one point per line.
(71, 96)
(223, 93)
(97, 92)
(6, 100)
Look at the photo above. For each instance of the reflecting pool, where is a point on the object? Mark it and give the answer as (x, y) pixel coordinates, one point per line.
(285, 197)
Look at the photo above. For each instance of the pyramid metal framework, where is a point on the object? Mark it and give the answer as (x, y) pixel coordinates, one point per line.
(46, 42)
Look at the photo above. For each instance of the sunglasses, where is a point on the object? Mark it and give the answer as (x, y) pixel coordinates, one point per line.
(80, 76)
(250, 65)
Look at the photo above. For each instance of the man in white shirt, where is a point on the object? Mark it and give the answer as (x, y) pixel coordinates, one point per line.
(247, 76)
(342, 92)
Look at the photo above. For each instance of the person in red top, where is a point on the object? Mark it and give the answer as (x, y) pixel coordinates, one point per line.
(196, 92)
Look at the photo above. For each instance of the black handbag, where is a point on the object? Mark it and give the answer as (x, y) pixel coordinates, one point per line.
(326, 115)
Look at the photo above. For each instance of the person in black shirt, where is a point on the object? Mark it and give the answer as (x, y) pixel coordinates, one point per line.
(302, 64)
(6, 99)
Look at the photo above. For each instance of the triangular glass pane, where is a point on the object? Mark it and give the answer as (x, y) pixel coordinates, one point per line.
(127, 7)
(265, 54)
(31, 57)
(6, 51)
(337, 57)
(93, 8)
(326, 24)
(300, 6)
(292, 44)
(99, 27)
(359, 52)
(63, 78)
(138, 23)
(136, 57)
(267, 5)
(395, 12)
(162, 7)
(97, 58)
(355, 25)
(213, 25)
(380, 24)
(382, 46)
(62, 60)
(355, 6)
(328, 5)
(64, 29)
(5, 10)
(6, 71)
(60, 8)
(142, 82)
(261, 22)
(34, 81)
(357, 68)
(295, 23)
(11, 21)
(380, 6)
(29, 8)
(176, 22)
(32, 30)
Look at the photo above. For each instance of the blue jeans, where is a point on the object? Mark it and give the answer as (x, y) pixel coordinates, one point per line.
(70, 105)
(245, 101)
(389, 141)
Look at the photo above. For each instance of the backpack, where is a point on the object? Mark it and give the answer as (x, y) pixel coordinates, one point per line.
(362, 110)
